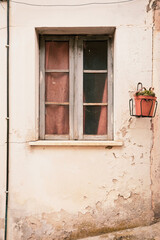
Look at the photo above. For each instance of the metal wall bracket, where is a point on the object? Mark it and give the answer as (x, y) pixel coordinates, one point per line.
(141, 115)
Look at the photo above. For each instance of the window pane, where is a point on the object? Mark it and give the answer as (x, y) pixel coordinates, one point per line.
(57, 87)
(95, 120)
(57, 119)
(95, 55)
(57, 55)
(95, 88)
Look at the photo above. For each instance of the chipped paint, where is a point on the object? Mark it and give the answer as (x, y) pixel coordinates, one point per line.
(123, 131)
(93, 221)
(62, 225)
(153, 5)
(157, 17)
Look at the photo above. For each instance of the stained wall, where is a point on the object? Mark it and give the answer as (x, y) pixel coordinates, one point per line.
(72, 192)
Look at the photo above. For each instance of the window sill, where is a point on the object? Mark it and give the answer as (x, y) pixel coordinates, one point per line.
(77, 143)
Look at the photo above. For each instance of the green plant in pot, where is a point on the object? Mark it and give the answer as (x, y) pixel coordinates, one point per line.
(145, 102)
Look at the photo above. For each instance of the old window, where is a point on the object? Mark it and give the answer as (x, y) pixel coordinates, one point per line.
(76, 88)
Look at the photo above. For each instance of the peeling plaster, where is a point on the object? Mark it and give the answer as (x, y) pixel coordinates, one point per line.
(129, 210)
(152, 5)
(127, 124)
(141, 155)
(114, 180)
(98, 220)
(124, 131)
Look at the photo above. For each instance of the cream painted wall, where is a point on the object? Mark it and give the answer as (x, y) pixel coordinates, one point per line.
(71, 192)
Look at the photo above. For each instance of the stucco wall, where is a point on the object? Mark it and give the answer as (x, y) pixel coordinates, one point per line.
(71, 192)
(155, 163)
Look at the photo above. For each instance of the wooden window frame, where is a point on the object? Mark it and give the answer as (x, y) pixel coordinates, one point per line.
(76, 88)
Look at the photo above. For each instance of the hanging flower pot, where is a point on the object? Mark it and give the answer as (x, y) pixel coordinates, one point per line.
(145, 105)
(145, 102)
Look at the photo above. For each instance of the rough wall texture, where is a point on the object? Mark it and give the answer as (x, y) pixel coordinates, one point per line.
(95, 221)
(155, 160)
(146, 233)
(73, 192)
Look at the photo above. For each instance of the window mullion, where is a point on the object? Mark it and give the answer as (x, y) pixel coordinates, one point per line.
(110, 92)
(78, 113)
(71, 87)
(42, 88)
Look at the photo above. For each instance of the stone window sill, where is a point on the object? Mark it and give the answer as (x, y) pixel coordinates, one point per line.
(77, 143)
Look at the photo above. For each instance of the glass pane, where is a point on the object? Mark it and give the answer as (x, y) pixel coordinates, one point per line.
(95, 55)
(57, 55)
(57, 87)
(95, 88)
(57, 119)
(95, 120)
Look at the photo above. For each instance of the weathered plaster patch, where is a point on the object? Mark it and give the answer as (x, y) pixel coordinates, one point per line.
(114, 180)
(124, 196)
(157, 18)
(125, 127)
(124, 131)
(98, 220)
(141, 155)
(153, 4)
(157, 211)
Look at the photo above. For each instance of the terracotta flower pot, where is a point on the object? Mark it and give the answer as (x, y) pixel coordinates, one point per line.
(145, 105)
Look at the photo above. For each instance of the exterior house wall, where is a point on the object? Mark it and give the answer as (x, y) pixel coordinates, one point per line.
(72, 192)
(155, 163)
